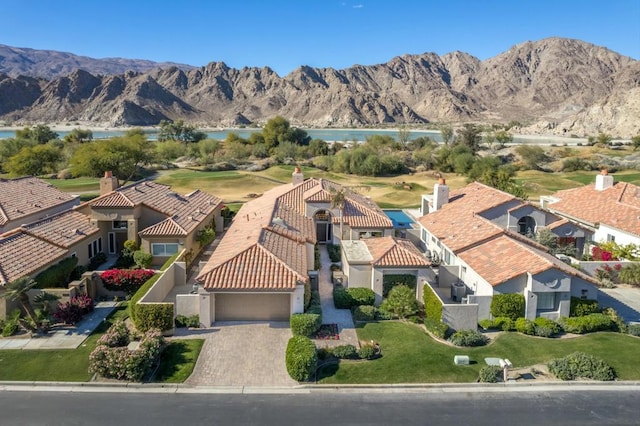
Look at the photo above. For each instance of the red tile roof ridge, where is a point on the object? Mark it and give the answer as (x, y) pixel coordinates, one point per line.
(3, 216)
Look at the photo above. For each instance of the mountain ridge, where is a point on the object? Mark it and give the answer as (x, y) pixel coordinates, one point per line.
(553, 86)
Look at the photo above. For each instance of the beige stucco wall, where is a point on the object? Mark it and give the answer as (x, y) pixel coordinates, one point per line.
(460, 317)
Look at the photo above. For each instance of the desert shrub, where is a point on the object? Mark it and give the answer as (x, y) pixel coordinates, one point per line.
(361, 296)
(96, 261)
(437, 328)
(508, 305)
(546, 327)
(142, 259)
(581, 365)
(486, 324)
(468, 338)
(581, 307)
(364, 313)
(334, 252)
(432, 305)
(401, 302)
(587, 324)
(58, 275)
(71, 312)
(345, 352)
(157, 316)
(634, 329)
(574, 164)
(341, 299)
(525, 326)
(118, 362)
(390, 281)
(192, 321)
(126, 280)
(367, 351)
(305, 324)
(503, 323)
(489, 374)
(301, 358)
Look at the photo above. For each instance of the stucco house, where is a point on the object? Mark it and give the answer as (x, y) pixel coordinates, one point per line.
(611, 210)
(479, 235)
(371, 262)
(266, 257)
(27, 199)
(162, 221)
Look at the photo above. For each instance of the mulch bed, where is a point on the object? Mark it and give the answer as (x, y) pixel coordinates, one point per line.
(327, 332)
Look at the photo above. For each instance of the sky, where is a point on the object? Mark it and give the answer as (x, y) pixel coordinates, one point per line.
(285, 34)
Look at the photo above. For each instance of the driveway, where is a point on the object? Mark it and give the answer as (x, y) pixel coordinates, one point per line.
(625, 300)
(242, 354)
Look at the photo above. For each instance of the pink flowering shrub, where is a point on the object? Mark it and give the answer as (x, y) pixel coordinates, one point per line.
(71, 312)
(112, 359)
(600, 254)
(127, 280)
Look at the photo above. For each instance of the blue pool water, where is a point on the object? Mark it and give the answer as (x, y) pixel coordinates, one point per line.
(399, 218)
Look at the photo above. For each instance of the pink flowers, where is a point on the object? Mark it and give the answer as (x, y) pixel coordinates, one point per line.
(600, 254)
(127, 280)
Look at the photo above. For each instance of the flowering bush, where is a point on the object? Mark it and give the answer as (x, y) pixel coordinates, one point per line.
(71, 312)
(118, 362)
(601, 254)
(127, 280)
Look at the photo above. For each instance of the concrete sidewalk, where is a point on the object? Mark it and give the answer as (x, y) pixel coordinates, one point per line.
(331, 315)
(67, 337)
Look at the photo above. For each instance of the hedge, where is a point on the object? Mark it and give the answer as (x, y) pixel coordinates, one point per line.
(580, 365)
(334, 252)
(133, 302)
(364, 313)
(525, 326)
(390, 281)
(508, 305)
(587, 324)
(301, 358)
(58, 275)
(345, 352)
(437, 328)
(546, 327)
(432, 304)
(350, 297)
(581, 307)
(468, 338)
(154, 316)
(305, 324)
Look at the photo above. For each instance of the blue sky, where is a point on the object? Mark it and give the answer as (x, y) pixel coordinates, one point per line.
(284, 34)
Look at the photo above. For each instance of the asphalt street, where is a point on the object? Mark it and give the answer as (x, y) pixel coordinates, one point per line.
(394, 407)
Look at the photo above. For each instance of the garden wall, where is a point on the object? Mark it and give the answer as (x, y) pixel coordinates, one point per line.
(591, 266)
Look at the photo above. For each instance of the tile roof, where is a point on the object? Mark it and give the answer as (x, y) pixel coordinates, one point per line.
(184, 212)
(64, 229)
(617, 206)
(22, 254)
(389, 251)
(25, 196)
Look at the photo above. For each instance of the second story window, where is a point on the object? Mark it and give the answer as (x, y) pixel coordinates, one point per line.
(120, 224)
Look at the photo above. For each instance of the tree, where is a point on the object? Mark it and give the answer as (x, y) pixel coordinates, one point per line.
(603, 139)
(318, 147)
(79, 136)
(18, 290)
(490, 138)
(338, 199)
(401, 302)
(531, 155)
(121, 155)
(470, 135)
(403, 136)
(503, 137)
(179, 131)
(39, 133)
(635, 141)
(547, 238)
(446, 131)
(278, 130)
(34, 160)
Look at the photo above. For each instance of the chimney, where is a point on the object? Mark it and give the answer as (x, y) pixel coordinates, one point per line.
(440, 194)
(108, 183)
(297, 177)
(604, 180)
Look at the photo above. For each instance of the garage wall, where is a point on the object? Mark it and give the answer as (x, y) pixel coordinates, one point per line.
(252, 306)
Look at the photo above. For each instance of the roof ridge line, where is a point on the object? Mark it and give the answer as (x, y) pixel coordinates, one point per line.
(26, 232)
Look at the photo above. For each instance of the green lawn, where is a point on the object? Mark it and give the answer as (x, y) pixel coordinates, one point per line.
(177, 360)
(76, 185)
(412, 356)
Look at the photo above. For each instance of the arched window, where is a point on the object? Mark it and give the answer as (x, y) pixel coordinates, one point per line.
(324, 227)
(526, 225)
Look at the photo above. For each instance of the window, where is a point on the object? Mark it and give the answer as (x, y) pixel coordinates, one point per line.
(120, 224)
(447, 257)
(611, 238)
(463, 271)
(95, 247)
(424, 235)
(546, 301)
(164, 249)
(584, 293)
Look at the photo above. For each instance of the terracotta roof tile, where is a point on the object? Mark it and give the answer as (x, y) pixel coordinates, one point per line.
(22, 254)
(64, 229)
(617, 206)
(388, 251)
(167, 227)
(25, 196)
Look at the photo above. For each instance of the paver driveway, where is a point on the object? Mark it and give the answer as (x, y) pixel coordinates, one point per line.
(242, 354)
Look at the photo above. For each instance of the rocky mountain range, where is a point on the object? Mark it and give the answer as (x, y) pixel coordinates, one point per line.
(552, 86)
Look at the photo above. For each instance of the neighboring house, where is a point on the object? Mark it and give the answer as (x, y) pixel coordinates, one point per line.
(162, 221)
(610, 209)
(478, 233)
(266, 257)
(34, 247)
(27, 199)
(367, 262)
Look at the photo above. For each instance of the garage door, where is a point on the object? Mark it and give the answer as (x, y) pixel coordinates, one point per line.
(252, 307)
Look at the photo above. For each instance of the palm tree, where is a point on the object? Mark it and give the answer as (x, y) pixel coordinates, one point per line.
(17, 290)
(338, 198)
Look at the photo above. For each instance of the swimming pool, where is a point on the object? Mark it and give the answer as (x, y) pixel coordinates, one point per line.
(399, 218)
